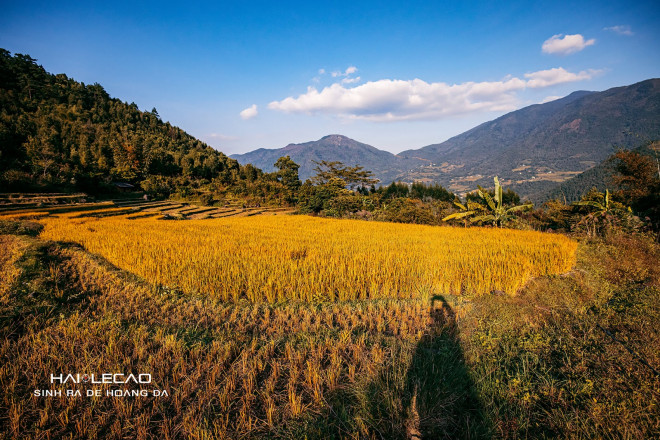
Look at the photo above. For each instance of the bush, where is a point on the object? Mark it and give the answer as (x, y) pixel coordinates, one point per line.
(345, 203)
(11, 227)
(407, 211)
(158, 186)
(206, 199)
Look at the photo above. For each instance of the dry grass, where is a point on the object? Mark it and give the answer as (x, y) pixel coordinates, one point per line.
(534, 365)
(231, 370)
(236, 369)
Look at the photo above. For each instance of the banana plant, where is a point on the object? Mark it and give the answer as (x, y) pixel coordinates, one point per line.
(601, 208)
(466, 210)
(491, 211)
(603, 213)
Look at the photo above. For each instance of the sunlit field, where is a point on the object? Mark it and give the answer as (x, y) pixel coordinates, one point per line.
(286, 327)
(274, 259)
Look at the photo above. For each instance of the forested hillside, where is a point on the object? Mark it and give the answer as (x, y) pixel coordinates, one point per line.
(58, 133)
(601, 177)
(534, 148)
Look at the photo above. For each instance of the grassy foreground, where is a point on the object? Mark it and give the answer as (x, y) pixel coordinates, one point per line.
(538, 364)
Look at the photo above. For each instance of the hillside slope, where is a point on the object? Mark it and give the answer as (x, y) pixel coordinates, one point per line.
(599, 177)
(56, 132)
(538, 146)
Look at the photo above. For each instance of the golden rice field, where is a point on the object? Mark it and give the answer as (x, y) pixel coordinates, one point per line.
(273, 259)
(489, 366)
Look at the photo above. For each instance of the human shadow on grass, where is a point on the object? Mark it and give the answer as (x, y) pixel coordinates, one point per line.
(430, 397)
(439, 395)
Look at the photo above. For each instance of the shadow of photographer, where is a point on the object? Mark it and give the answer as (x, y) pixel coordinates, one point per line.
(439, 395)
(427, 394)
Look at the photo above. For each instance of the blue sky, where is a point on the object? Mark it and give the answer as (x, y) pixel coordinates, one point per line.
(396, 75)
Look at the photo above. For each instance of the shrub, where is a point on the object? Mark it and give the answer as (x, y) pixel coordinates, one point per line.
(11, 227)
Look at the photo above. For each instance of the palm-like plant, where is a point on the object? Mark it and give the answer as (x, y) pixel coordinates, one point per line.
(466, 210)
(492, 210)
(601, 208)
(604, 213)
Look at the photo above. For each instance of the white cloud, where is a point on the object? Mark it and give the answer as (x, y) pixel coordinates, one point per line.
(321, 71)
(350, 80)
(392, 100)
(566, 44)
(620, 29)
(346, 75)
(249, 112)
(349, 71)
(558, 75)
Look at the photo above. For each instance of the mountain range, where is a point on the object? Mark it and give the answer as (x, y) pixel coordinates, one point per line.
(58, 133)
(532, 150)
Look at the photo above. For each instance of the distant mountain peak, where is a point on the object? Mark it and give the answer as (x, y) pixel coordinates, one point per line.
(333, 147)
(580, 93)
(335, 136)
(337, 139)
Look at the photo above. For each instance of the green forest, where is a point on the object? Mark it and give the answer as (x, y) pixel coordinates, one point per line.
(60, 134)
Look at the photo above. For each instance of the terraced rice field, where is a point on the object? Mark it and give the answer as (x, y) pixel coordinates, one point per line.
(241, 318)
(43, 205)
(234, 253)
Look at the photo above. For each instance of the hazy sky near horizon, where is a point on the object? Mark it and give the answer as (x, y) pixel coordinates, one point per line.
(396, 75)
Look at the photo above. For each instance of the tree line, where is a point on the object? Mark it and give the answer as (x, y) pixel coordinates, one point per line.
(632, 205)
(60, 134)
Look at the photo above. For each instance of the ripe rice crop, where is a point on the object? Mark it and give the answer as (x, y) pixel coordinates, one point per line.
(273, 259)
(232, 370)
